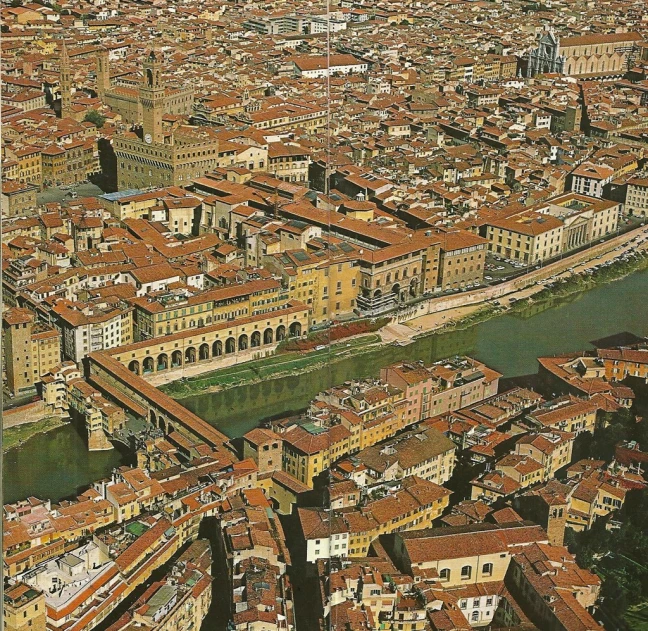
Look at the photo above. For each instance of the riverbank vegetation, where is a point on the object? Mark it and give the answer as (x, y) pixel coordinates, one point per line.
(578, 283)
(289, 363)
(483, 314)
(595, 276)
(333, 334)
(18, 434)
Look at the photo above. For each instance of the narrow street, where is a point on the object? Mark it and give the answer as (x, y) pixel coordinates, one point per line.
(302, 578)
(219, 612)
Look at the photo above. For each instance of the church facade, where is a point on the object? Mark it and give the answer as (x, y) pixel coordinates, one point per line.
(155, 155)
(596, 55)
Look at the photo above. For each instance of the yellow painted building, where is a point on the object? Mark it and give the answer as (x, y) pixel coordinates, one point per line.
(172, 312)
(282, 489)
(593, 497)
(528, 238)
(130, 204)
(308, 449)
(328, 284)
(252, 336)
(523, 469)
(553, 450)
(69, 164)
(414, 507)
(30, 164)
(371, 410)
(351, 419)
(567, 413)
(24, 608)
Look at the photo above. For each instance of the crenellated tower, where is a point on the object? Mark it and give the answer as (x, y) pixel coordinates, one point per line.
(65, 80)
(152, 100)
(103, 73)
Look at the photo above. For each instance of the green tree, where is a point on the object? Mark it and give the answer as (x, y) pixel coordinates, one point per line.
(606, 438)
(95, 117)
(621, 555)
(614, 427)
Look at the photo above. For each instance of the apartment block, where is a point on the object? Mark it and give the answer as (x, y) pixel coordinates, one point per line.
(447, 385)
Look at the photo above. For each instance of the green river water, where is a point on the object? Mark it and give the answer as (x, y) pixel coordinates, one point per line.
(57, 464)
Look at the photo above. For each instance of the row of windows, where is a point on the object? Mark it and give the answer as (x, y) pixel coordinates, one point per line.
(466, 572)
(476, 603)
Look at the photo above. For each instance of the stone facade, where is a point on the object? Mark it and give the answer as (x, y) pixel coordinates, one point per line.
(158, 156)
(31, 350)
(18, 199)
(546, 58)
(608, 54)
(636, 202)
(125, 101)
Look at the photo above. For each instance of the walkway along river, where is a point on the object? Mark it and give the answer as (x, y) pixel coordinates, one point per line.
(56, 464)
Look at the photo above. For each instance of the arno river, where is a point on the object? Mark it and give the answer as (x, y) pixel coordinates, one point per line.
(57, 464)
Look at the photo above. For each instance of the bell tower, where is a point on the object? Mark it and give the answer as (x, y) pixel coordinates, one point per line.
(152, 100)
(65, 80)
(103, 73)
